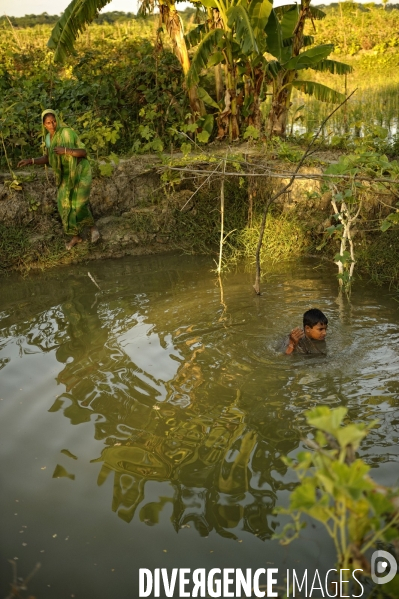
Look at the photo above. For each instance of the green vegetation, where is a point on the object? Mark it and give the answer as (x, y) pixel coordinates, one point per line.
(336, 490)
(377, 257)
(130, 89)
(130, 72)
(134, 85)
(285, 236)
(46, 19)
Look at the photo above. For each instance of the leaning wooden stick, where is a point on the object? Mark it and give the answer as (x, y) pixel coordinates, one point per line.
(94, 281)
(219, 268)
(271, 200)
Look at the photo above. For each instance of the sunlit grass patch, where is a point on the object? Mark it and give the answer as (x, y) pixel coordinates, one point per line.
(378, 258)
(285, 237)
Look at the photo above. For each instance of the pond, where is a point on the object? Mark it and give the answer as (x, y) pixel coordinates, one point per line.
(143, 425)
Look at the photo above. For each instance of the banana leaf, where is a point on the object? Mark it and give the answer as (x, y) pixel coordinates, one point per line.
(77, 15)
(319, 91)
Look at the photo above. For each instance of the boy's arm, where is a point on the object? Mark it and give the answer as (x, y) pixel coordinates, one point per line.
(293, 340)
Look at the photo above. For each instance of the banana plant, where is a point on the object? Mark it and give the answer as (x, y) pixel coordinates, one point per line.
(80, 13)
(286, 42)
(238, 38)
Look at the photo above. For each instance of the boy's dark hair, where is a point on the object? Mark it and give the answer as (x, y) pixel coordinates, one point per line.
(313, 317)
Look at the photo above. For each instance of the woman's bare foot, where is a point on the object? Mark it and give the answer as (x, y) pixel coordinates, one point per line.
(74, 241)
(95, 234)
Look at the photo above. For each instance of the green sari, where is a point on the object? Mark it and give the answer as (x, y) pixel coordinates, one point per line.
(73, 178)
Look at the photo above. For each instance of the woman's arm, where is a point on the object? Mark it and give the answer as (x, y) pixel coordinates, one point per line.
(76, 152)
(28, 161)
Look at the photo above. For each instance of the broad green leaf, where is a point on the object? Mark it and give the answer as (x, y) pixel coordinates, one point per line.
(332, 66)
(206, 98)
(77, 15)
(385, 225)
(273, 67)
(331, 230)
(186, 148)
(307, 40)
(321, 439)
(379, 131)
(320, 513)
(289, 21)
(238, 17)
(114, 157)
(203, 137)
(303, 496)
(340, 168)
(350, 435)
(207, 123)
(259, 12)
(352, 479)
(380, 503)
(106, 170)
(344, 258)
(281, 10)
(274, 38)
(202, 55)
(317, 13)
(309, 57)
(303, 456)
(157, 144)
(358, 527)
(391, 219)
(251, 132)
(326, 481)
(195, 35)
(319, 91)
(215, 59)
(209, 3)
(325, 419)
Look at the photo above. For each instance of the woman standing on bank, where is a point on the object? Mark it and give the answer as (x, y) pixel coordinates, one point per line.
(67, 157)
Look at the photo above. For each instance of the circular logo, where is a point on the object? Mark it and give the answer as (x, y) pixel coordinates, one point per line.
(383, 562)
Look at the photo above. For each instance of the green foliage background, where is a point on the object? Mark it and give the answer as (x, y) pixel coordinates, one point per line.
(120, 74)
(124, 94)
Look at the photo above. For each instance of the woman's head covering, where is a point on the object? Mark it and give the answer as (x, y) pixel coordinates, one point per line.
(44, 132)
(60, 122)
(49, 111)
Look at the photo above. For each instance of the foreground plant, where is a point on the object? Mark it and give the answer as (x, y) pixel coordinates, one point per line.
(335, 488)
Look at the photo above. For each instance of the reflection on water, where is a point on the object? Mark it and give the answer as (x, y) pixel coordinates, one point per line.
(167, 381)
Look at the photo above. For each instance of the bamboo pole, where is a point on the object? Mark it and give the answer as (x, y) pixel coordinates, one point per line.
(219, 268)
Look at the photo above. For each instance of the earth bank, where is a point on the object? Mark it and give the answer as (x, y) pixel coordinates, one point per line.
(144, 208)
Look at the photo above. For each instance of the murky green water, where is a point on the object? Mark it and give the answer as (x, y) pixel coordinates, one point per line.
(143, 426)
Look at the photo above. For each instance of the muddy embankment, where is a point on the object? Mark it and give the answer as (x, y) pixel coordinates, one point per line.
(134, 210)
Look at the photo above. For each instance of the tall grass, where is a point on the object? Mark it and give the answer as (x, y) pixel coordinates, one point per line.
(285, 237)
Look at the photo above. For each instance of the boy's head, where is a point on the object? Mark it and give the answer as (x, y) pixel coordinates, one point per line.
(315, 324)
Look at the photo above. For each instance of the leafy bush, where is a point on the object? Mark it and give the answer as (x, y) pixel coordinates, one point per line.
(121, 84)
(335, 489)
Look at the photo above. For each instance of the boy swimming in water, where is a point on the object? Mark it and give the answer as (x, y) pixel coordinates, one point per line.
(310, 339)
